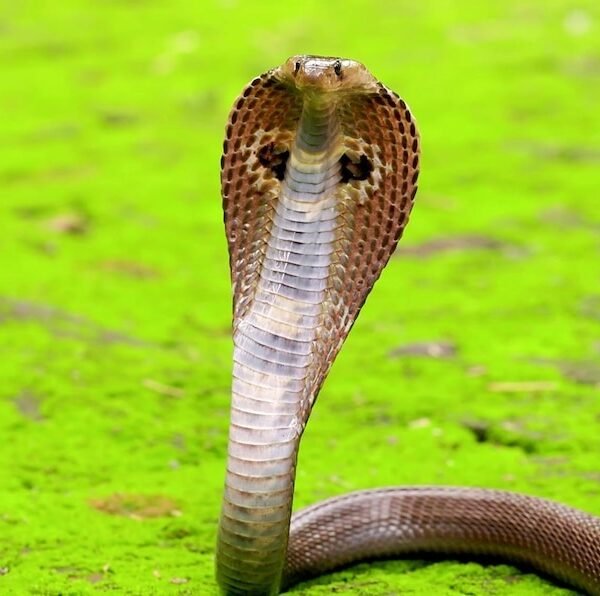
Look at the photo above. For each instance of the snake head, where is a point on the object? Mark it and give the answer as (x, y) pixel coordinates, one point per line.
(325, 74)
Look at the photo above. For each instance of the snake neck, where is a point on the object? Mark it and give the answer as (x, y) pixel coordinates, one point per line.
(274, 370)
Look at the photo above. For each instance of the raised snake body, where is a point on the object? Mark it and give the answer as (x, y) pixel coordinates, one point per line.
(319, 172)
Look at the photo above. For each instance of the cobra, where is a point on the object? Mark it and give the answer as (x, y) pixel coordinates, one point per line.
(319, 173)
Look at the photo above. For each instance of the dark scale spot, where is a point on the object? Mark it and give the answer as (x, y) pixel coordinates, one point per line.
(403, 104)
(415, 145)
(415, 161)
(226, 188)
(247, 91)
(401, 127)
(274, 160)
(229, 131)
(414, 192)
(408, 116)
(355, 170)
(404, 143)
(404, 171)
(404, 187)
(225, 146)
(413, 130)
(240, 103)
(415, 176)
(234, 117)
(403, 203)
(222, 161)
(405, 156)
(252, 103)
(255, 81)
(391, 215)
(237, 144)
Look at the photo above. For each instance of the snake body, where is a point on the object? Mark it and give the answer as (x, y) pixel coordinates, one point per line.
(319, 172)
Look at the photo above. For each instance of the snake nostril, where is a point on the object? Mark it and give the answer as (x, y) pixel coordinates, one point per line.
(337, 67)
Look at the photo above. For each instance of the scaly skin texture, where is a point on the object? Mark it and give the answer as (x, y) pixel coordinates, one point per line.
(319, 173)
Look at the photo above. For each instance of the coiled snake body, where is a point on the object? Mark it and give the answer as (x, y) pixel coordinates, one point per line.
(319, 172)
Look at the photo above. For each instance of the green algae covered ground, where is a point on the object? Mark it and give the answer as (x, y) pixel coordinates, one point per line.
(475, 361)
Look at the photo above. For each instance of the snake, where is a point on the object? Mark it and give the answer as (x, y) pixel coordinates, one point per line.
(319, 173)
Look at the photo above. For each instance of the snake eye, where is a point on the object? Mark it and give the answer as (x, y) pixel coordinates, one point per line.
(297, 67)
(337, 67)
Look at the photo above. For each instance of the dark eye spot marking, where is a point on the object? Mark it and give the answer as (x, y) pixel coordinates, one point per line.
(296, 67)
(337, 67)
(275, 160)
(355, 170)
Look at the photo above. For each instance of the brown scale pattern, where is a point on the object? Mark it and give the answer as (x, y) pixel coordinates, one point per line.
(379, 207)
(391, 522)
(372, 213)
(265, 116)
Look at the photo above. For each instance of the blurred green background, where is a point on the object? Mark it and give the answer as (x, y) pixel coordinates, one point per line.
(475, 360)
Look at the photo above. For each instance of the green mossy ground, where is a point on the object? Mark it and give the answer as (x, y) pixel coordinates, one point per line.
(114, 289)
